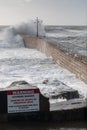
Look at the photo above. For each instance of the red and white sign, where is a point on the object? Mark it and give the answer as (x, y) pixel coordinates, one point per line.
(23, 101)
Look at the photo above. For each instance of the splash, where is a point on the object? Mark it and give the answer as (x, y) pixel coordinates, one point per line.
(12, 36)
(30, 28)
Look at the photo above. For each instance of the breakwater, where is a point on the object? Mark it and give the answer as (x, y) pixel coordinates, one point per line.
(60, 57)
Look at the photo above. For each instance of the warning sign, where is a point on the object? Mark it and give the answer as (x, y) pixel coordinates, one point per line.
(23, 101)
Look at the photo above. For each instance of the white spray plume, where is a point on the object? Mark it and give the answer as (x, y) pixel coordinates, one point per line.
(30, 28)
(12, 35)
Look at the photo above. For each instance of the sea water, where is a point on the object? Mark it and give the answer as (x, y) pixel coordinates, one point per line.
(71, 38)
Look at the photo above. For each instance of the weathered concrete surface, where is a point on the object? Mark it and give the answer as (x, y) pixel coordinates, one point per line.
(63, 59)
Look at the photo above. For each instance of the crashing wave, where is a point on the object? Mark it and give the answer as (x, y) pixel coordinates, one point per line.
(11, 36)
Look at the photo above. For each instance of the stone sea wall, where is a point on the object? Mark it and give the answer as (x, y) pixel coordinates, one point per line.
(61, 58)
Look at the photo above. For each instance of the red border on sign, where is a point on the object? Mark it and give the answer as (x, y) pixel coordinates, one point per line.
(28, 91)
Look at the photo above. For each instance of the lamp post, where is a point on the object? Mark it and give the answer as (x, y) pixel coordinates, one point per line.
(37, 22)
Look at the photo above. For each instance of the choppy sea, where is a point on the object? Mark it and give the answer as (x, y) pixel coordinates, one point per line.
(71, 38)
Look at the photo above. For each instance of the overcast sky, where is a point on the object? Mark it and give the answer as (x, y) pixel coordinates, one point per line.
(52, 12)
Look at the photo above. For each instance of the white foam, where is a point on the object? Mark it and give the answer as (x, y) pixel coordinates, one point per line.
(34, 67)
(83, 52)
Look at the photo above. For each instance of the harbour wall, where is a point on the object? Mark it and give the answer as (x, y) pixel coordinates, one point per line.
(60, 57)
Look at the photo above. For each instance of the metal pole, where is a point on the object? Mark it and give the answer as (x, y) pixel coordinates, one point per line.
(37, 25)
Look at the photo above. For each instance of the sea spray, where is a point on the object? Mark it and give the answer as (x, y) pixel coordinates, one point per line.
(11, 39)
(12, 36)
(30, 28)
